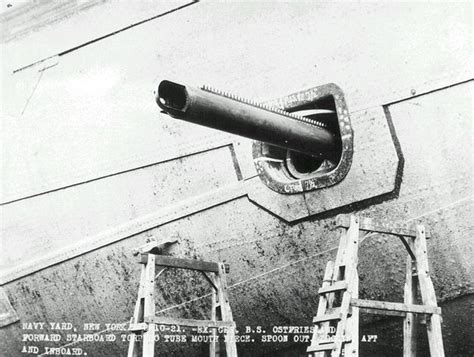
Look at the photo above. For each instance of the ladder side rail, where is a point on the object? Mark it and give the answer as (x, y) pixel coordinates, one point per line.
(226, 312)
(339, 265)
(410, 320)
(352, 349)
(350, 259)
(428, 296)
(133, 345)
(213, 346)
(149, 307)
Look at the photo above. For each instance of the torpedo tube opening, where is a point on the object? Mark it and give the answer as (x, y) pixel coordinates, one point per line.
(324, 112)
(172, 97)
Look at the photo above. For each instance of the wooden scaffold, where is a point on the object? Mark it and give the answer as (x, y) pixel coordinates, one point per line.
(144, 320)
(339, 303)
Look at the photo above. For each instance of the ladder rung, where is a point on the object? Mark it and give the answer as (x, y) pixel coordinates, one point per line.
(329, 317)
(326, 345)
(331, 313)
(337, 286)
(324, 341)
(320, 348)
(182, 263)
(368, 310)
(394, 306)
(368, 225)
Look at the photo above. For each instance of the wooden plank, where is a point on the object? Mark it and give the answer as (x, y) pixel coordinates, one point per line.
(149, 306)
(137, 314)
(328, 317)
(368, 225)
(337, 286)
(394, 306)
(352, 349)
(213, 345)
(382, 312)
(191, 264)
(409, 297)
(188, 322)
(326, 345)
(428, 296)
(320, 348)
(329, 339)
(226, 312)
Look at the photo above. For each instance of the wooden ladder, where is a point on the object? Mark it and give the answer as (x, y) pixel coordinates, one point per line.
(336, 330)
(144, 320)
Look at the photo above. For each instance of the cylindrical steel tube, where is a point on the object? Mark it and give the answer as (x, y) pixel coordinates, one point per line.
(237, 117)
